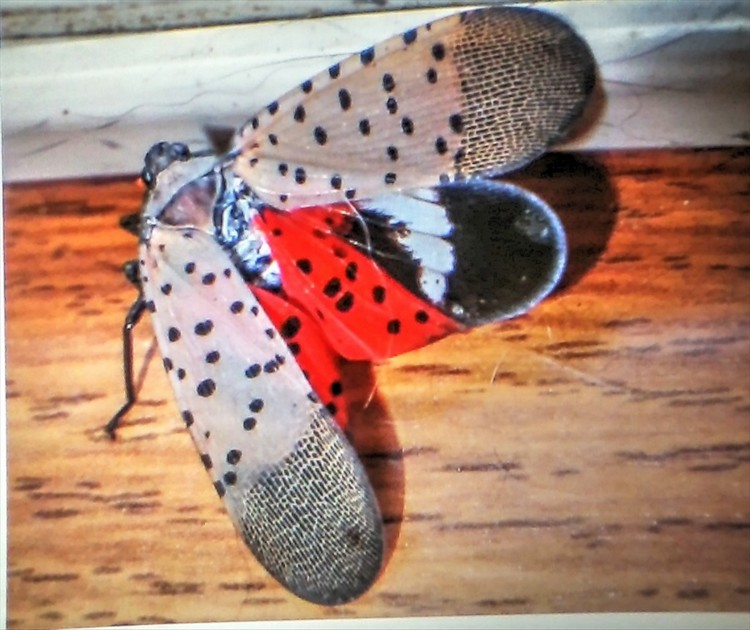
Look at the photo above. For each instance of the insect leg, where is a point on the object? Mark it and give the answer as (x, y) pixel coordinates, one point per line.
(131, 320)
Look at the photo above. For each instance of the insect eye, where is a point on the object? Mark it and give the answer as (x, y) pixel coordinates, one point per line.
(159, 157)
(148, 178)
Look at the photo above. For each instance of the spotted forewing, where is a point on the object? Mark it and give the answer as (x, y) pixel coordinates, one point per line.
(291, 482)
(480, 92)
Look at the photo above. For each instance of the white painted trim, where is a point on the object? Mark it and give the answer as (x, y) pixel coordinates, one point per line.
(674, 73)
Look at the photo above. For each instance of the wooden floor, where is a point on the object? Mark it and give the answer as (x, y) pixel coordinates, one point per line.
(593, 455)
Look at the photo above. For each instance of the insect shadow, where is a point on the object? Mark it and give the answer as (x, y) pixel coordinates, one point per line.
(578, 187)
(373, 433)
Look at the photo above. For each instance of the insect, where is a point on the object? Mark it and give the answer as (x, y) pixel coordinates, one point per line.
(351, 218)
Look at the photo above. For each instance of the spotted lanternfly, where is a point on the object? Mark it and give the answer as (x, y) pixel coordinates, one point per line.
(350, 219)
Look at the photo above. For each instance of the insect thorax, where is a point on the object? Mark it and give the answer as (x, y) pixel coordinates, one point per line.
(234, 214)
(197, 191)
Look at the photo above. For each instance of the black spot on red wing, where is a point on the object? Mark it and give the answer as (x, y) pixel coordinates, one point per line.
(393, 327)
(351, 271)
(332, 287)
(256, 405)
(233, 456)
(206, 388)
(290, 327)
(187, 418)
(345, 302)
(421, 316)
(173, 334)
(277, 232)
(332, 408)
(378, 294)
(304, 265)
(294, 348)
(336, 388)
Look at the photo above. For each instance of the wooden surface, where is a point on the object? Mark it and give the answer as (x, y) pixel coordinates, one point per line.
(591, 456)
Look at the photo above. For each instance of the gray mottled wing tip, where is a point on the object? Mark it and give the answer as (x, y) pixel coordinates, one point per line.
(314, 522)
(526, 77)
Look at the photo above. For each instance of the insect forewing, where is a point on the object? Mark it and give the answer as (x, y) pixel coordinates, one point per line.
(474, 93)
(292, 484)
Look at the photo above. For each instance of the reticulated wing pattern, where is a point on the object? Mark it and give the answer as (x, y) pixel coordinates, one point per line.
(478, 92)
(292, 484)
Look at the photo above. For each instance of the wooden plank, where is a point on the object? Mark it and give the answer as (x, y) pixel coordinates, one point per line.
(590, 456)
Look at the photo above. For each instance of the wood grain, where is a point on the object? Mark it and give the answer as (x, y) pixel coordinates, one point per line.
(590, 456)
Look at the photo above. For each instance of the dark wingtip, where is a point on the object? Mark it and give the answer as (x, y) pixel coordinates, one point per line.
(313, 520)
